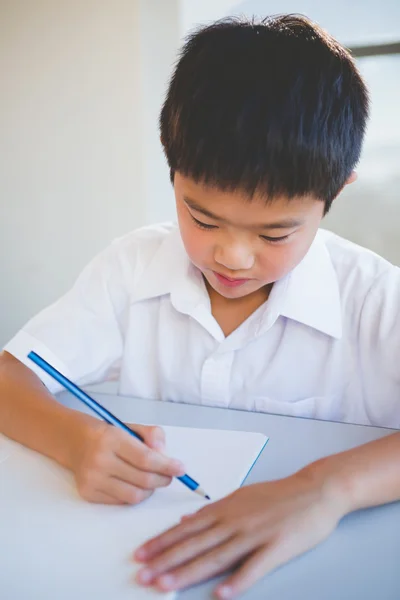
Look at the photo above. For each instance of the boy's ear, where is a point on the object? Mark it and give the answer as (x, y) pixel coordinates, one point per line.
(352, 178)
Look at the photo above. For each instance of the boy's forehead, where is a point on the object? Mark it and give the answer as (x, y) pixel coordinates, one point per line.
(236, 205)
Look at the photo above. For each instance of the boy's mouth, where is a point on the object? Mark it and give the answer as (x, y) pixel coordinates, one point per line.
(228, 281)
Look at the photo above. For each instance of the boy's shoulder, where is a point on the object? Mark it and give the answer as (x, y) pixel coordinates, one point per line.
(147, 257)
(356, 267)
(138, 248)
(148, 238)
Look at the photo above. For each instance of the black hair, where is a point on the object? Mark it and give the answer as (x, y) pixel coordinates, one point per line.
(275, 107)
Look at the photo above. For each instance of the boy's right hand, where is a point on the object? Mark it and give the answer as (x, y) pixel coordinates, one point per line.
(112, 467)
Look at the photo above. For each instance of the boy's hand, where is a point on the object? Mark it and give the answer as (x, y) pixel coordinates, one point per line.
(258, 527)
(112, 467)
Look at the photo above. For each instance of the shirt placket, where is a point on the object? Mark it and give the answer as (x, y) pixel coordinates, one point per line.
(216, 378)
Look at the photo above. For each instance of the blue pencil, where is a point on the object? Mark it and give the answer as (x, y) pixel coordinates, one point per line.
(103, 412)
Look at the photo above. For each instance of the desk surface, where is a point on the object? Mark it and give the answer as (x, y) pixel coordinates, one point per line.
(360, 560)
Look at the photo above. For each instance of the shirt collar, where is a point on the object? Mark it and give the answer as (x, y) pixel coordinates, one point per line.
(309, 294)
(169, 270)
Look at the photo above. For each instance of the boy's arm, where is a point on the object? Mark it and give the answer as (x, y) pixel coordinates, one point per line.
(365, 476)
(110, 466)
(29, 414)
(262, 526)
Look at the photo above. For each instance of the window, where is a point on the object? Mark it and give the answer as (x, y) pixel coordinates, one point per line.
(368, 211)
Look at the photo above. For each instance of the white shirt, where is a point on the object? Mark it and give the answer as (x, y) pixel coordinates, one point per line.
(326, 344)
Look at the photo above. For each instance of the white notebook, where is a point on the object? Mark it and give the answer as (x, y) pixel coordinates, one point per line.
(55, 545)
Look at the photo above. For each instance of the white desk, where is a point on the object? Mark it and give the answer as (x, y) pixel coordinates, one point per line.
(360, 560)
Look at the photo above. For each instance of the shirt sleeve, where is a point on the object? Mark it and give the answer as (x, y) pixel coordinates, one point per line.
(81, 334)
(379, 350)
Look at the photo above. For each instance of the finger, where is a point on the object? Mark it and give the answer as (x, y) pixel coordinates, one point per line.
(120, 490)
(154, 437)
(172, 536)
(183, 552)
(142, 479)
(103, 498)
(259, 564)
(138, 455)
(212, 563)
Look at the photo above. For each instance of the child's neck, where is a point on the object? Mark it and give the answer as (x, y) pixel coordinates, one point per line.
(231, 313)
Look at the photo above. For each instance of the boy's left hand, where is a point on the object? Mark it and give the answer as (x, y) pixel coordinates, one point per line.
(257, 529)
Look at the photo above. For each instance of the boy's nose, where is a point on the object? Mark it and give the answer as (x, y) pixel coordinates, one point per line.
(234, 258)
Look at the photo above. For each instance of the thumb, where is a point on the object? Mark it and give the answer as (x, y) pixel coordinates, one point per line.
(153, 436)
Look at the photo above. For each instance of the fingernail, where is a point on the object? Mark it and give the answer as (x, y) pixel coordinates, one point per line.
(178, 466)
(185, 517)
(145, 575)
(140, 554)
(224, 592)
(166, 581)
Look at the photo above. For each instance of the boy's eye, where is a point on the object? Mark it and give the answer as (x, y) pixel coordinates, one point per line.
(203, 225)
(267, 238)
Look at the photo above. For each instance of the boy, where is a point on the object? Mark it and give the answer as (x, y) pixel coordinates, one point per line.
(262, 128)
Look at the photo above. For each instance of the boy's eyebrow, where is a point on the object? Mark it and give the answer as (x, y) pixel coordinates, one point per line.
(284, 224)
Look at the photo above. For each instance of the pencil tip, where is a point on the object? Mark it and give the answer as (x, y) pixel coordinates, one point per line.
(202, 493)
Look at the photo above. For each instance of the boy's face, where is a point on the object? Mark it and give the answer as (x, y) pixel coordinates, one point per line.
(243, 245)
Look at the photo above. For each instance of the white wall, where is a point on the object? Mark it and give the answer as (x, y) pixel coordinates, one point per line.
(355, 22)
(80, 161)
(197, 12)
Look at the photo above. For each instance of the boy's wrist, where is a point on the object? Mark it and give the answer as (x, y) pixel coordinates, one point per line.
(331, 479)
(78, 429)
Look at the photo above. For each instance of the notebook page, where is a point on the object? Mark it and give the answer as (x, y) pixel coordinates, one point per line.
(55, 545)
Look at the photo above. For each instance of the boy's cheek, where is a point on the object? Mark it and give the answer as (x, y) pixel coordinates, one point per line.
(199, 252)
(281, 260)
(277, 264)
